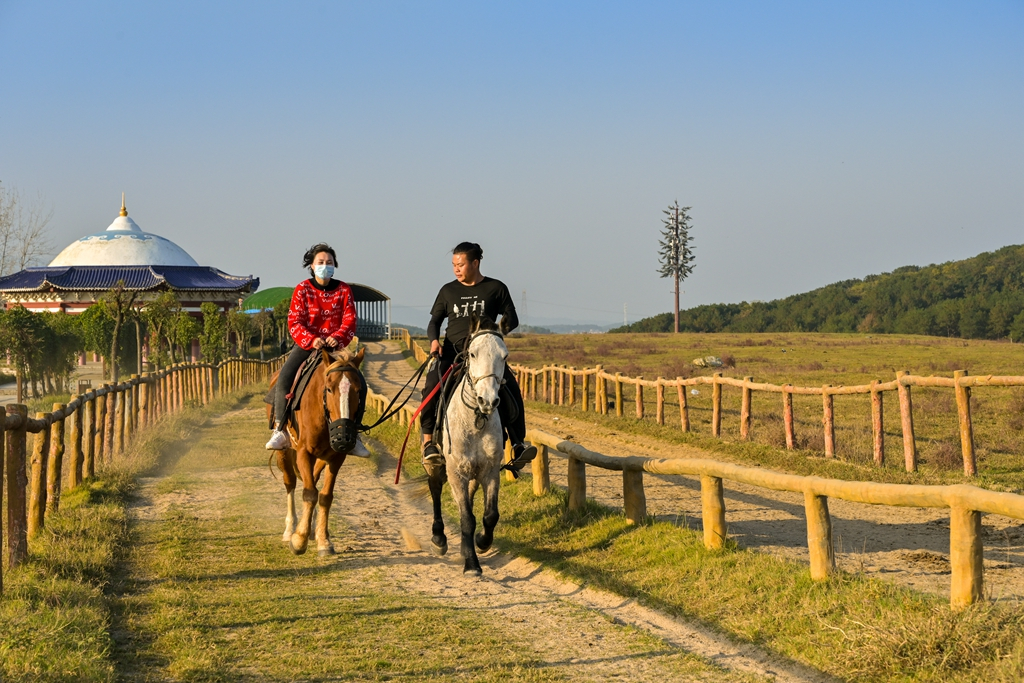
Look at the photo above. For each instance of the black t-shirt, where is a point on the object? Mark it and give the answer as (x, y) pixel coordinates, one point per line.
(457, 302)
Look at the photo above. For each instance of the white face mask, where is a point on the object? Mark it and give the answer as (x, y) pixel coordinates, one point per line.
(324, 271)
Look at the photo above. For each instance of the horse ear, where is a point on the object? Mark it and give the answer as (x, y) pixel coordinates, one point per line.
(503, 326)
(325, 356)
(357, 360)
(474, 322)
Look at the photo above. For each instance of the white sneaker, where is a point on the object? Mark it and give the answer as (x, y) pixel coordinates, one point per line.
(279, 441)
(359, 450)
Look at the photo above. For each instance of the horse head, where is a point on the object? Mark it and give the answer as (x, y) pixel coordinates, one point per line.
(344, 396)
(485, 362)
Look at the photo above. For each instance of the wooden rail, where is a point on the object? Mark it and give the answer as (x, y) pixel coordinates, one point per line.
(402, 335)
(99, 426)
(965, 503)
(556, 384)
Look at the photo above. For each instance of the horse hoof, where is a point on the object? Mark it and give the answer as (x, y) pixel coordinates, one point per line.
(297, 549)
(475, 571)
(325, 552)
(483, 543)
(439, 548)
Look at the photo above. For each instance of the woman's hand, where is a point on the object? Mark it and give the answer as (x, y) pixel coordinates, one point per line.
(331, 342)
(318, 343)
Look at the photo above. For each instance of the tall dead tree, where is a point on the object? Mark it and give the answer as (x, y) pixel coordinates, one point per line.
(119, 301)
(676, 254)
(23, 224)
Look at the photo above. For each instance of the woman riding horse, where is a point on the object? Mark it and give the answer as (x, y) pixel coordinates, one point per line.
(322, 314)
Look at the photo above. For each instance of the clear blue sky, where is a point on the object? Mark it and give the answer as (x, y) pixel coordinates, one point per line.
(815, 141)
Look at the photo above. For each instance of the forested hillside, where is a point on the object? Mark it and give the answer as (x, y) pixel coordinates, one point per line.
(977, 298)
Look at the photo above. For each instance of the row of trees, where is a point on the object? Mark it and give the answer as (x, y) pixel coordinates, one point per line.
(976, 298)
(42, 348)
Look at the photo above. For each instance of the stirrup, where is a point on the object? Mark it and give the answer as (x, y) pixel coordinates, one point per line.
(432, 455)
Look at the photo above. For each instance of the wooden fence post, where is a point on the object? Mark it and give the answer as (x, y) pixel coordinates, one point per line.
(77, 456)
(55, 468)
(144, 400)
(963, 409)
(712, 503)
(684, 410)
(745, 408)
(659, 411)
(878, 424)
(133, 424)
(716, 404)
(965, 557)
(618, 394)
(787, 416)
(819, 536)
(119, 426)
(3, 440)
(507, 459)
(572, 385)
(602, 391)
(634, 501)
(585, 391)
(110, 427)
(561, 374)
(907, 423)
(37, 484)
(89, 438)
(541, 473)
(639, 398)
(577, 483)
(17, 484)
(828, 420)
(101, 425)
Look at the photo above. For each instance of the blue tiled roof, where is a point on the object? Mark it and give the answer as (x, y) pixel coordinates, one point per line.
(141, 278)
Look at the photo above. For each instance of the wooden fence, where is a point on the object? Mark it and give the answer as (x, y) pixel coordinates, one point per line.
(965, 503)
(401, 334)
(591, 388)
(98, 426)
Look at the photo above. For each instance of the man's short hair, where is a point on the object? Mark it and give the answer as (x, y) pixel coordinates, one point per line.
(472, 250)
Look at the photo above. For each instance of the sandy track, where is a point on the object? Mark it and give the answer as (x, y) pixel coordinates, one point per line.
(909, 546)
(579, 631)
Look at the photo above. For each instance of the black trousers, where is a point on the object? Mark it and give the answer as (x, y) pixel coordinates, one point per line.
(284, 381)
(513, 417)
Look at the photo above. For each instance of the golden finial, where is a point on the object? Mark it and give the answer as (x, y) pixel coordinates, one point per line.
(124, 211)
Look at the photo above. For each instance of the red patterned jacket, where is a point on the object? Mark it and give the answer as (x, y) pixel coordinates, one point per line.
(322, 312)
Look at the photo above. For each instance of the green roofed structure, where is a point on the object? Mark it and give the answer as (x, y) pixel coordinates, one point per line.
(373, 308)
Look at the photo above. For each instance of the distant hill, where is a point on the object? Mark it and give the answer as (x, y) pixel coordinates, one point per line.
(977, 298)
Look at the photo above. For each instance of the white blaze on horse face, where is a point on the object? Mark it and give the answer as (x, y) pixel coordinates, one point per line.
(487, 366)
(344, 389)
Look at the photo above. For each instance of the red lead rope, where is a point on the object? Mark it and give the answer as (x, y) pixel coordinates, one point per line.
(412, 422)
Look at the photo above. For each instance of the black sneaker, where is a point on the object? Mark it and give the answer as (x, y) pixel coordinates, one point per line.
(431, 454)
(522, 455)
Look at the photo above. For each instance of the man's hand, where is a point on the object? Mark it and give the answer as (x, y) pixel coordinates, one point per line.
(435, 348)
(318, 343)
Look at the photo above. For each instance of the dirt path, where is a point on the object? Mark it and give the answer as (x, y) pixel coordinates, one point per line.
(209, 577)
(909, 546)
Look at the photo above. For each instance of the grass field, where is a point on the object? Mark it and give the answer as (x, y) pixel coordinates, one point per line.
(814, 360)
(852, 627)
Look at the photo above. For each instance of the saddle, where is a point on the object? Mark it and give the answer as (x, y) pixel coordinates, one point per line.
(447, 391)
(298, 387)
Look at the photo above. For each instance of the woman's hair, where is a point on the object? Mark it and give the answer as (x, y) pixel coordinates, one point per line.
(307, 258)
(472, 250)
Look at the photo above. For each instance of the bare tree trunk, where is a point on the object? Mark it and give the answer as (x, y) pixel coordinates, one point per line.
(262, 335)
(118, 319)
(138, 346)
(20, 376)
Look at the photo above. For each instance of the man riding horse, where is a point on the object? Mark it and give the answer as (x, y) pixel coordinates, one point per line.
(471, 293)
(322, 315)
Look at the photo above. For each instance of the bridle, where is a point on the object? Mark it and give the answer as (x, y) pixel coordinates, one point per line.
(344, 430)
(479, 417)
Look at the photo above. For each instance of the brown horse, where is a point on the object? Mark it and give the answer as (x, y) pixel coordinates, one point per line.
(322, 431)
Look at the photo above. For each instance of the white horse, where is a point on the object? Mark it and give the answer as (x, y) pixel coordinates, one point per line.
(472, 445)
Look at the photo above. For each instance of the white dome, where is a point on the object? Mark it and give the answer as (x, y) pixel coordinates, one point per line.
(123, 244)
